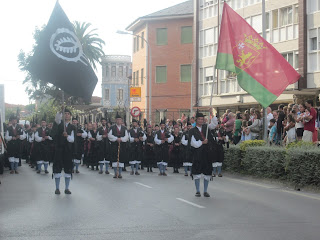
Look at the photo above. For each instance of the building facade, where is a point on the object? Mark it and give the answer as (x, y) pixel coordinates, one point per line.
(290, 28)
(115, 88)
(165, 56)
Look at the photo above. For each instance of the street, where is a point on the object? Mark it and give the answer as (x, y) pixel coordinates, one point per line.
(152, 207)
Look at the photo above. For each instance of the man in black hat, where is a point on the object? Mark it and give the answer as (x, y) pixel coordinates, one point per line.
(162, 139)
(63, 136)
(103, 146)
(79, 144)
(12, 137)
(137, 137)
(42, 144)
(201, 161)
(118, 136)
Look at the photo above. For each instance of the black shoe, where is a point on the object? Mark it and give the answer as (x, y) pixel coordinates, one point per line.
(213, 175)
(67, 191)
(38, 171)
(57, 191)
(137, 173)
(206, 194)
(115, 176)
(107, 172)
(148, 170)
(124, 169)
(151, 170)
(142, 168)
(119, 176)
(220, 175)
(100, 172)
(46, 171)
(198, 194)
(186, 174)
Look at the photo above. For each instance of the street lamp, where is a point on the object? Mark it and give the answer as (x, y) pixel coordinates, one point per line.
(149, 74)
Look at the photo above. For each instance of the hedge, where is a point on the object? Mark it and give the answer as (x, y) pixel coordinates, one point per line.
(299, 163)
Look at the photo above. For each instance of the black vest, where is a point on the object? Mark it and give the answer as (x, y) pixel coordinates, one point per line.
(119, 134)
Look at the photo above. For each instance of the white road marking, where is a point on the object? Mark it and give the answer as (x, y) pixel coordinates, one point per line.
(193, 204)
(141, 184)
(272, 187)
(111, 174)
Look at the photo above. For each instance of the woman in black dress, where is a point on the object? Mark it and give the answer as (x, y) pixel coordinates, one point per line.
(150, 160)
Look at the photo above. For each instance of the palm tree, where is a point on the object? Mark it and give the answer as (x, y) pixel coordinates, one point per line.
(91, 44)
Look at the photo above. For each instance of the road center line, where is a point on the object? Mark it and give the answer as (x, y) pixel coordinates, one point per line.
(141, 184)
(270, 187)
(193, 204)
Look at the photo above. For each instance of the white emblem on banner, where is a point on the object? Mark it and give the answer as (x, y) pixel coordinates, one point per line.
(66, 45)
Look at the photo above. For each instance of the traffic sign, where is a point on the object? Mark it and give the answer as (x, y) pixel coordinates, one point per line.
(135, 112)
(135, 94)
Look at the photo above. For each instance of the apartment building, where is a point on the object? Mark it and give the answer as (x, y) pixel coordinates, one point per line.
(292, 27)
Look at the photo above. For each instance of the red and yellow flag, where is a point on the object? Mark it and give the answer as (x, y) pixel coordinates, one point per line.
(261, 70)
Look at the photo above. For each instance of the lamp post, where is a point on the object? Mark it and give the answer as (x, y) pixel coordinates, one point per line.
(149, 73)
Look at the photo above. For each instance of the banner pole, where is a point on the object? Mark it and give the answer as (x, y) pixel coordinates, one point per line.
(265, 114)
(63, 109)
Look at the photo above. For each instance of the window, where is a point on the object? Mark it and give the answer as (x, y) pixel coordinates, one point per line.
(137, 47)
(162, 38)
(296, 14)
(292, 58)
(185, 73)
(134, 44)
(313, 5)
(275, 19)
(313, 44)
(120, 71)
(267, 20)
(286, 16)
(133, 79)
(313, 39)
(142, 75)
(142, 41)
(161, 74)
(137, 78)
(257, 23)
(186, 34)
(113, 71)
(107, 71)
(120, 94)
(106, 94)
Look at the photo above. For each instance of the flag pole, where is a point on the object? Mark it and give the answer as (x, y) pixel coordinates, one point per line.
(63, 109)
(214, 73)
(265, 120)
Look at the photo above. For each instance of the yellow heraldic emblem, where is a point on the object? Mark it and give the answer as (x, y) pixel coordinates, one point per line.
(247, 51)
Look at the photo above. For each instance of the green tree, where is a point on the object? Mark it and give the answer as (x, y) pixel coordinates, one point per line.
(91, 43)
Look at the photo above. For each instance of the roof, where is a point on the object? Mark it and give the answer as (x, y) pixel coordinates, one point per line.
(184, 9)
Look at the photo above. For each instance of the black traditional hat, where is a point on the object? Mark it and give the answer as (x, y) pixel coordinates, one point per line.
(67, 110)
(162, 121)
(134, 120)
(156, 125)
(12, 117)
(33, 125)
(189, 123)
(44, 118)
(118, 116)
(75, 118)
(199, 114)
(103, 119)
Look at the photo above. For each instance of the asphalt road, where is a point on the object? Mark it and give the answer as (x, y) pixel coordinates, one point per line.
(153, 207)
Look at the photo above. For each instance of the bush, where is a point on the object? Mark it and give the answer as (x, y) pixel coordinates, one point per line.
(232, 159)
(303, 166)
(251, 143)
(300, 144)
(265, 162)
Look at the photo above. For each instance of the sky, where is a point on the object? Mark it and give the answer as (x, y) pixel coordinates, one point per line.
(19, 19)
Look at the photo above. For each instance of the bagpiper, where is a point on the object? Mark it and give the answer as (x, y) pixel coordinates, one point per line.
(201, 161)
(103, 146)
(42, 141)
(137, 137)
(13, 135)
(149, 149)
(63, 134)
(175, 153)
(162, 140)
(185, 151)
(81, 135)
(118, 136)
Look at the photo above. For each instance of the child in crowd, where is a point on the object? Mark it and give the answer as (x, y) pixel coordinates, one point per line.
(306, 114)
(246, 134)
(273, 131)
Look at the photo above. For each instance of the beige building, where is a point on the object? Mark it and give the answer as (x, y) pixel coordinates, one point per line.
(291, 28)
